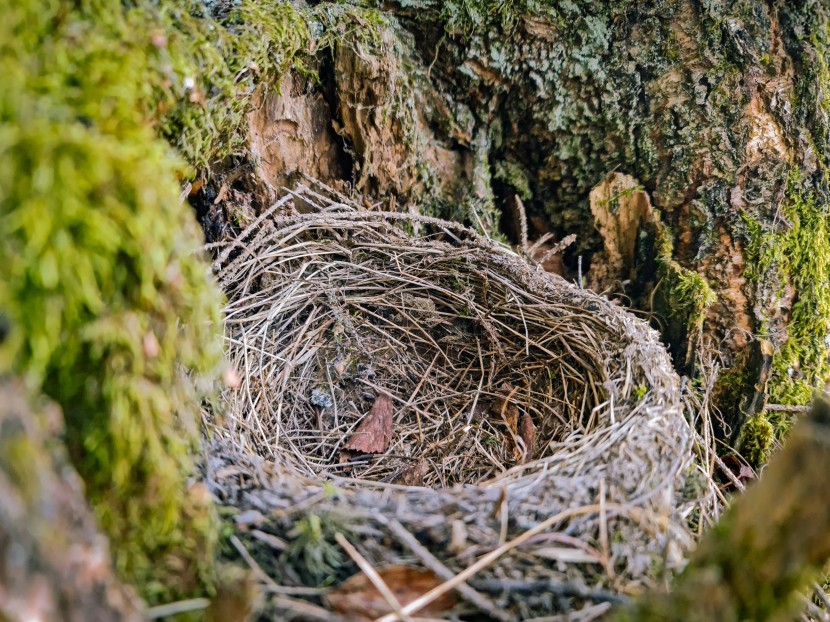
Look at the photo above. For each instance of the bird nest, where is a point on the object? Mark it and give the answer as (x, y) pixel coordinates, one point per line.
(421, 406)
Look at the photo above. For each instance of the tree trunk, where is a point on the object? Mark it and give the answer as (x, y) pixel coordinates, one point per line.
(54, 564)
(715, 111)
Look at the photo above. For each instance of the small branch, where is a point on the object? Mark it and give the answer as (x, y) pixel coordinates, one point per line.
(373, 576)
(172, 609)
(787, 409)
(434, 564)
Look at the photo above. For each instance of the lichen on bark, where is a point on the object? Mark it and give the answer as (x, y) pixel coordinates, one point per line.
(720, 112)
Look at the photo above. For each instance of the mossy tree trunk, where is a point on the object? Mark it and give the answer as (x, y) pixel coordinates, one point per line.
(716, 111)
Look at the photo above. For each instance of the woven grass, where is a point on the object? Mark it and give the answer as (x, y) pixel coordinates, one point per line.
(333, 307)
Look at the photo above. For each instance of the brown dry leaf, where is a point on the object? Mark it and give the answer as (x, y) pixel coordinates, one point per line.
(374, 433)
(414, 474)
(357, 599)
(527, 432)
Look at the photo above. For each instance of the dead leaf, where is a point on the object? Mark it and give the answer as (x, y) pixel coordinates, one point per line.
(374, 433)
(414, 474)
(357, 599)
(527, 432)
(505, 409)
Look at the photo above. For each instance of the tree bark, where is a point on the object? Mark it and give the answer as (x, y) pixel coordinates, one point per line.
(716, 111)
(54, 563)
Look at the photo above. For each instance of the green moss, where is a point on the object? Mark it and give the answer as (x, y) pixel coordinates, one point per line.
(757, 438)
(689, 294)
(313, 549)
(514, 176)
(111, 312)
(206, 71)
(796, 255)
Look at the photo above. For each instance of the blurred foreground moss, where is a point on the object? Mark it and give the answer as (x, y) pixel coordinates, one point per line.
(109, 309)
(110, 312)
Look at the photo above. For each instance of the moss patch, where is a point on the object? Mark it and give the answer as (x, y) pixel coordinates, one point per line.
(686, 294)
(111, 312)
(204, 70)
(797, 255)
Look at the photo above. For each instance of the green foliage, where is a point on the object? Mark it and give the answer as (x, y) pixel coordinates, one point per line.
(111, 312)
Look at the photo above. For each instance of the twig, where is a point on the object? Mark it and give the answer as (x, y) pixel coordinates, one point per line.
(822, 596)
(603, 532)
(263, 576)
(520, 208)
(557, 248)
(373, 576)
(492, 556)
(172, 609)
(728, 472)
(434, 564)
(787, 409)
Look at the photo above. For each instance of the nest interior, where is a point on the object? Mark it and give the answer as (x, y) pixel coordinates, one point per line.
(445, 385)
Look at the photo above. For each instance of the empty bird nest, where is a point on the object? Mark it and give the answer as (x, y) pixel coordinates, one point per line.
(421, 408)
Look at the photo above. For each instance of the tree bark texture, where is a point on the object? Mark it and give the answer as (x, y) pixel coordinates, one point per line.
(715, 111)
(54, 563)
